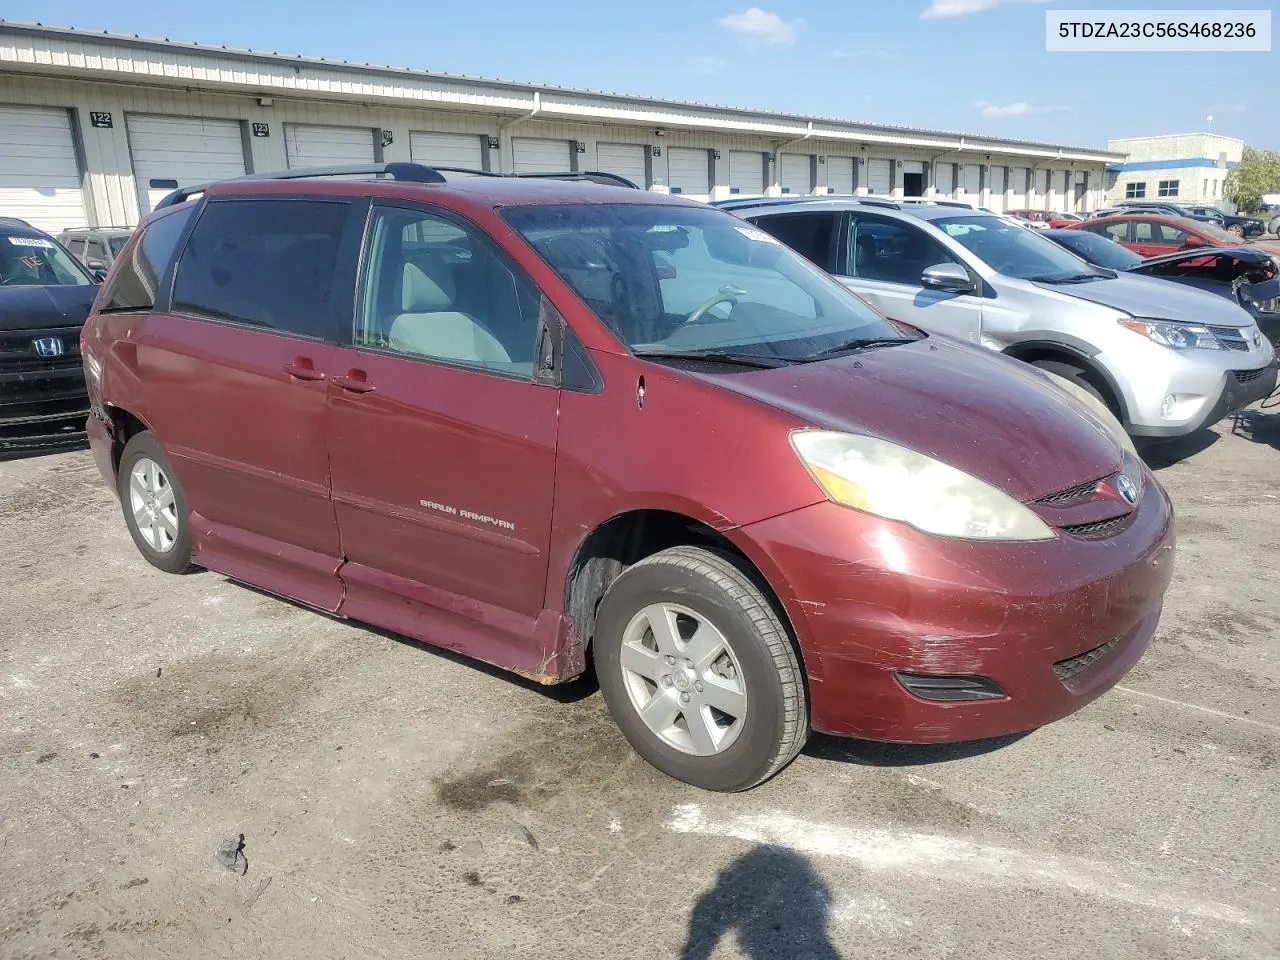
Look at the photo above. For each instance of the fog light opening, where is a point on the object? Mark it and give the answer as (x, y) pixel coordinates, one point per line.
(951, 688)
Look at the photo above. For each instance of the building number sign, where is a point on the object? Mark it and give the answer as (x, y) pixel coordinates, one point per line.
(99, 119)
(261, 130)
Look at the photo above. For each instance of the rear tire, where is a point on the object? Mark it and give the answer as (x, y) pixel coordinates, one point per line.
(155, 509)
(1074, 381)
(699, 672)
(1236, 231)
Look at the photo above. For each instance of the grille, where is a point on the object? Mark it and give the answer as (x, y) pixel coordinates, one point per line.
(1231, 337)
(1074, 666)
(1099, 530)
(1248, 376)
(18, 353)
(1073, 495)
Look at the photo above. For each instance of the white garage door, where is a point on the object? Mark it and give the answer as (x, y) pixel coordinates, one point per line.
(746, 173)
(447, 150)
(840, 175)
(172, 152)
(1018, 188)
(944, 179)
(796, 174)
(972, 181)
(533, 155)
(997, 180)
(687, 172)
(879, 176)
(39, 176)
(309, 145)
(624, 159)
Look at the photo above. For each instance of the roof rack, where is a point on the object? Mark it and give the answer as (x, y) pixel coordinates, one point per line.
(405, 172)
(105, 226)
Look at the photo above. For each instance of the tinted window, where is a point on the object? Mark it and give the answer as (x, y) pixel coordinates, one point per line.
(808, 234)
(1096, 249)
(133, 284)
(892, 252)
(435, 289)
(266, 263)
(76, 246)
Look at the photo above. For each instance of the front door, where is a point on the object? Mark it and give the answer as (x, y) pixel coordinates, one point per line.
(1152, 238)
(235, 376)
(883, 261)
(441, 443)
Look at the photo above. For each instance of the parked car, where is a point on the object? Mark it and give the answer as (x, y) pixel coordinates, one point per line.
(1239, 226)
(1037, 218)
(1166, 360)
(95, 247)
(1153, 234)
(517, 419)
(1244, 275)
(44, 298)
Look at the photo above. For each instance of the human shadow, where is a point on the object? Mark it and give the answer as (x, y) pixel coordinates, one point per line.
(1258, 424)
(773, 900)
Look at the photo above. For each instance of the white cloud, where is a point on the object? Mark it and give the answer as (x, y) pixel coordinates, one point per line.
(707, 65)
(939, 9)
(761, 26)
(1020, 108)
(1228, 108)
(840, 54)
(869, 54)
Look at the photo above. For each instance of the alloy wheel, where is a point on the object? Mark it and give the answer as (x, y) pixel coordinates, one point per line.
(153, 505)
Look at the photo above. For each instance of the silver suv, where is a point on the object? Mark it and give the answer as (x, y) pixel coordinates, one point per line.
(1165, 358)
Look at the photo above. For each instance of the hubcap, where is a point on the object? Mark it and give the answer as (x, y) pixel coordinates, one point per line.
(683, 679)
(155, 511)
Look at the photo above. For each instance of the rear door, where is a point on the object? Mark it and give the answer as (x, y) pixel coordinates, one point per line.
(235, 374)
(442, 443)
(882, 261)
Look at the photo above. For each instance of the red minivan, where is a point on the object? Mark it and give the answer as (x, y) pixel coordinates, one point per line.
(558, 426)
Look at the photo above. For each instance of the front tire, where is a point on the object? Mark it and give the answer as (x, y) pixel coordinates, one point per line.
(155, 510)
(1236, 230)
(699, 672)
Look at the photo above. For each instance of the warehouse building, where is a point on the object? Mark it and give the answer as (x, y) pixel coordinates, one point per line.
(96, 127)
(1184, 168)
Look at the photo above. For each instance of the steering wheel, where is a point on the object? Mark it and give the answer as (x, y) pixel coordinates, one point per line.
(724, 295)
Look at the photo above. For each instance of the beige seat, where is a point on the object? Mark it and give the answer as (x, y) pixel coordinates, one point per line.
(427, 327)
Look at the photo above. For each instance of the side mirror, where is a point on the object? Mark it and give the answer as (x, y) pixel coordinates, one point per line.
(95, 264)
(1193, 241)
(99, 276)
(948, 276)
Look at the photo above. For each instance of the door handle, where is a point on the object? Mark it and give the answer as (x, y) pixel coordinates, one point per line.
(356, 381)
(303, 369)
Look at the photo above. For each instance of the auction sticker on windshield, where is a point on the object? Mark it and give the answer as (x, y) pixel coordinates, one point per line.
(751, 233)
(30, 242)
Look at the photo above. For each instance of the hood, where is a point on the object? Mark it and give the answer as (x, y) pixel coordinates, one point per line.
(1250, 255)
(995, 418)
(1155, 297)
(38, 308)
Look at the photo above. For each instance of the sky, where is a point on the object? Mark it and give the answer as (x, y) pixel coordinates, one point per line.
(973, 66)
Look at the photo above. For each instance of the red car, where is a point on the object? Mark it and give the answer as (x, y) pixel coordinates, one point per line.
(1053, 220)
(1154, 234)
(562, 426)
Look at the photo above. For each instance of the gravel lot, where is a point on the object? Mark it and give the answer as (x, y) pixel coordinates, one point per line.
(396, 802)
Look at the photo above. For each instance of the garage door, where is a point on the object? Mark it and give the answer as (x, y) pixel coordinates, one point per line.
(997, 181)
(1041, 201)
(624, 159)
(746, 173)
(1018, 188)
(797, 177)
(971, 181)
(533, 155)
(447, 150)
(309, 145)
(879, 173)
(687, 173)
(840, 175)
(39, 176)
(944, 179)
(172, 152)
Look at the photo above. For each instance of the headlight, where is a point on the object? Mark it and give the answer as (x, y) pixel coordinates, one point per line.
(1171, 333)
(899, 484)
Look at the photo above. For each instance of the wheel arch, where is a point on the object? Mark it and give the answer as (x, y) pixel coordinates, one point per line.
(1032, 351)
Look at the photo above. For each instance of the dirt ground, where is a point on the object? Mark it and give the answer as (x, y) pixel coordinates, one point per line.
(396, 802)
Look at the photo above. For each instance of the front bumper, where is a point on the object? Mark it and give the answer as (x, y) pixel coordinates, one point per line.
(1238, 389)
(871, 599)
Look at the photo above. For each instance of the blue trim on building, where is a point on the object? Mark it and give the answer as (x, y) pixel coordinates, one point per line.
(1166, 165)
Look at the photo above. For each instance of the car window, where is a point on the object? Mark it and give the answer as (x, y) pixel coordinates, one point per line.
(76, 247)
(117, 244)
(1014, 251)
(438, 290)
(890, 251)
(136, 278)
(265, 263)
(1169, 234)
(1117, 232)
(808, 234)
(674, 277)
(38, 261)
(97, 250)
(1097, 249)
(1145, 231)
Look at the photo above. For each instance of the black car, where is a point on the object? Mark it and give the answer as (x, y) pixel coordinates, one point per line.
(1247, 275)
(45, 295)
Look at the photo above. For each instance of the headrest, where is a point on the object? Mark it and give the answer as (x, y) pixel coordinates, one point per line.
(421, 294)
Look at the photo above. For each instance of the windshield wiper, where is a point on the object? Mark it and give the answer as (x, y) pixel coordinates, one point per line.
(715, 356)
(1072, 278)
(860, 343)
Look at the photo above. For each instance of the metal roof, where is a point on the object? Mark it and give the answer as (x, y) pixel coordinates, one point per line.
(839, 128)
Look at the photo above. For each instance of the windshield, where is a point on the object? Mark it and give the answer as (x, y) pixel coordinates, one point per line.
(676, 278)
(1210, 230)
(1096, 249)
(1014, 251)
(36, 261)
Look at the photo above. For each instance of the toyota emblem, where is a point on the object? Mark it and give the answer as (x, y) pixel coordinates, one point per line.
(1128, 489)
(48, 346)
